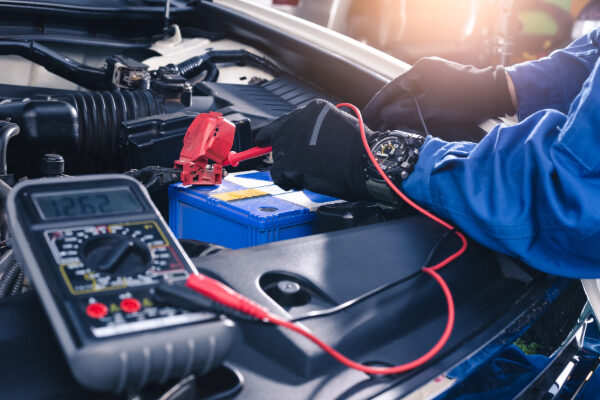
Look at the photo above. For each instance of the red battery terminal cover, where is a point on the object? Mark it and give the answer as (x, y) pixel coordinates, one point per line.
(206, 144)
(207, 148)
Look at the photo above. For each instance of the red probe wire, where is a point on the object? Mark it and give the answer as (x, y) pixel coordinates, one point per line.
(225, 295)
(405, 198)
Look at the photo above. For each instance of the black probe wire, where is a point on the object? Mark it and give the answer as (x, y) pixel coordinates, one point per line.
(346, 305)
(364, 297)
(217, 291)
(397, 381)
(420, 115)
(357, 300)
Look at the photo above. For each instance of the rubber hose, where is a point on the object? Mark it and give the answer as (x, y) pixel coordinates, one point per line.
(7, 131)
(89, 77)
(212, 73)
(8, 278)
(89, 123)
(4, 190)
(6, 259)
(17, 287)
(196, 65)
(101, 115)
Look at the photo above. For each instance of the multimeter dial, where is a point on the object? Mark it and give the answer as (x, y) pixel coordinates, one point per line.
(114, 256)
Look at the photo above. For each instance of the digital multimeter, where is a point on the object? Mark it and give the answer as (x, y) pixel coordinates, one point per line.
(95, 247)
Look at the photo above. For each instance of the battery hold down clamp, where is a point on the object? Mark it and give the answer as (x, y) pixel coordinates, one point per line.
(207, 149)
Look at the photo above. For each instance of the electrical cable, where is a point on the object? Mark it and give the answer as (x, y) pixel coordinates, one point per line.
(359, 299)
(89, 77)
(353, 302)
(223, 294)
(405, 198)
(207, 62)
(154, 177)
(419, 113)
(432, 271)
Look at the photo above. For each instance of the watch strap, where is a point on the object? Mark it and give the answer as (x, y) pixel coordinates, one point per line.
(382, 192)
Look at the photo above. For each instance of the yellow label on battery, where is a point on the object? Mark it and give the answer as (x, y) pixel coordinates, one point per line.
(239, 195)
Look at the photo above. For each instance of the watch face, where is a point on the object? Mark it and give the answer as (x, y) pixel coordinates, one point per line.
(388, 151)
(396, 152)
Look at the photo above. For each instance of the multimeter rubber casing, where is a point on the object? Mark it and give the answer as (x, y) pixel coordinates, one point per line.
(95, 247)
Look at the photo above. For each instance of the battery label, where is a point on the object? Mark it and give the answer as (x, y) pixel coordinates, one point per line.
(239, 195)
(259, 183)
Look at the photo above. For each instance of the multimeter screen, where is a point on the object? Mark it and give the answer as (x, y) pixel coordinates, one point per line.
(85, 203)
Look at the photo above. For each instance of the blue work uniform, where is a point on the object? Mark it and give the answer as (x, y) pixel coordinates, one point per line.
(531, 190)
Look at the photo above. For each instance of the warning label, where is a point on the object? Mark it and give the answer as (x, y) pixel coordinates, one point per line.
(239, 195)
(259, 183)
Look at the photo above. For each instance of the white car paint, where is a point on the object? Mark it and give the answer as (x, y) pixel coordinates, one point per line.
(359, 53)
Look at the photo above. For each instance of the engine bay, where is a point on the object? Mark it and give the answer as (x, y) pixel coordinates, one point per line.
(119, 100)
(98, 114)
(138, 118)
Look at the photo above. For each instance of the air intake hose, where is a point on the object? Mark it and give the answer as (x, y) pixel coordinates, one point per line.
(100, 115)
(82, 123)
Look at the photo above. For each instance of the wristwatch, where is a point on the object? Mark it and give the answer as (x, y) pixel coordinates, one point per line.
(396, 153)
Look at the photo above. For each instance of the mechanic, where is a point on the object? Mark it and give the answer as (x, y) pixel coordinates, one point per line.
(531, 190)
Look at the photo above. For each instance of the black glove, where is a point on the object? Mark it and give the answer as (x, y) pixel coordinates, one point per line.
(319, 148)
(447, 93)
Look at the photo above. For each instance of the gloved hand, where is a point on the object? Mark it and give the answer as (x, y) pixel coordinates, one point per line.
(319, 148)
(447, 93)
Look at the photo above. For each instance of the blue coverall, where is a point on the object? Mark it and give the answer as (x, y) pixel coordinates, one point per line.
(531, 190)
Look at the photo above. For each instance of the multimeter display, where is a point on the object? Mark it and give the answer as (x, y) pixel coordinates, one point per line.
(86, 203)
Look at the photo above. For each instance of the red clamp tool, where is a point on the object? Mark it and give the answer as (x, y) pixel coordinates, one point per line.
(207, 149)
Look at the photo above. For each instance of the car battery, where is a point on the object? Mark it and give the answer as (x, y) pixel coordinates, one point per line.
(247, 209)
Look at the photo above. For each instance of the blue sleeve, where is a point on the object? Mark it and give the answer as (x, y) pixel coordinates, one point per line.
(553, 82)
(531, 190)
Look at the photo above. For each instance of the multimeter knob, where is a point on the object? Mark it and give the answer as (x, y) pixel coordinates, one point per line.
(116, 254)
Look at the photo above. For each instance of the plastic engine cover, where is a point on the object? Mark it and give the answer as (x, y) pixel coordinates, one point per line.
(317, 272)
